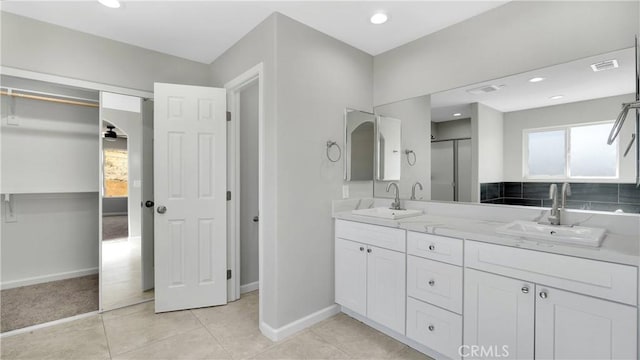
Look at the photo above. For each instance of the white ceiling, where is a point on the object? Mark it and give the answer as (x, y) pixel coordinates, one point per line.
(203, 30)
(574, 80)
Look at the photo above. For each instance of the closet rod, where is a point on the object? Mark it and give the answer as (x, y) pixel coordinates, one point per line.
(61, 99)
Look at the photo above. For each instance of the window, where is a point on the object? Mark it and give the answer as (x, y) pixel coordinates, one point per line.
(578, 151)
(115, 173)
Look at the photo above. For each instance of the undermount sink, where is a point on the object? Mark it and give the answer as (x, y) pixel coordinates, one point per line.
(576, 235)
(386, 213)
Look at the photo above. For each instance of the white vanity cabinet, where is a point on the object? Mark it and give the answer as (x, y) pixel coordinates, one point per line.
(510, 303)
(370, 272)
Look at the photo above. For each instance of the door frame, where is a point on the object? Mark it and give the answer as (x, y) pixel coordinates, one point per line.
(234, 88)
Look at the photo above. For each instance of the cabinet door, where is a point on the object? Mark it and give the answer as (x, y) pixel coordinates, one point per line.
(573, 326)
(499, 315)
(351, 275)
(386, 293)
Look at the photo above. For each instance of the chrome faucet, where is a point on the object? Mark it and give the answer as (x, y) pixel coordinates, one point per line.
(395, 205)
(566, 191)
(554, 219)
(413, 190)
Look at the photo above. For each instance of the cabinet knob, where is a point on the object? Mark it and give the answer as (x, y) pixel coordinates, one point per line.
(432, 247)
(432, 282)
(369, 250)
(361, 248)
(431, 327)
(525, 289)
(543, 294)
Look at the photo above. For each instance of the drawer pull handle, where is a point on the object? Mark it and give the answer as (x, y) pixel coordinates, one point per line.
(543, 294)
(432, 282)
(369, 250)
(525, 289)
(432, 247)
(431, 327)
(361, 248)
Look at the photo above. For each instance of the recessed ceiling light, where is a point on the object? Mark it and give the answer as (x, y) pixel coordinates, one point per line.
(457, 114)
(114, 4)
(536, 79)
(379, 18)
(556, 97)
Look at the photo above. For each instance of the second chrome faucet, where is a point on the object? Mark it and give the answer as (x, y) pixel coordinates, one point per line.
(395, 205)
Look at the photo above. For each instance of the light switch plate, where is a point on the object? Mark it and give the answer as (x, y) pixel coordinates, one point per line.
(345, 191)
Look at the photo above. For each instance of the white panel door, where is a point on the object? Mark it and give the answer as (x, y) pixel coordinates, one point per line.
(386, 287)
(573, 326)
(351, 275)
(190, 225)
(499, 311)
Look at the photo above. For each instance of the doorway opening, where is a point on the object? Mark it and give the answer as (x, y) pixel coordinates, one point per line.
(244, 101)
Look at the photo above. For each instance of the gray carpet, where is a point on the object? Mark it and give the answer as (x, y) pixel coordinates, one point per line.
(41, 303)
(115, 227)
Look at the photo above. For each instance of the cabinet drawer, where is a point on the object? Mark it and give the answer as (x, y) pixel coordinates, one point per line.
(435, 328)
(596, 278)
(381, 236)
(434, 247)
(435, 282)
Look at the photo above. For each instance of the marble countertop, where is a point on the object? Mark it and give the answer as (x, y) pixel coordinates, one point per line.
(615, 248)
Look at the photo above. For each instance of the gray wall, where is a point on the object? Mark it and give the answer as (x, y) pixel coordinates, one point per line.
(259, 46)
(37, 46)
(574, 113)
(318, 77)
(452, 129)
(131, 124)
(54, 235)
(415, 117)
(248, 185)
(310, 78)
(513, 38)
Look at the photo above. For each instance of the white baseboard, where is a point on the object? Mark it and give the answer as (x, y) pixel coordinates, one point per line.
(50, 323)
(298, 325)
(249, 287)
(47, 278)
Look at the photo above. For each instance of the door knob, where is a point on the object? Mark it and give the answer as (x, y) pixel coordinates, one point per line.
(162, 209)
(148, 203)
(256, 219)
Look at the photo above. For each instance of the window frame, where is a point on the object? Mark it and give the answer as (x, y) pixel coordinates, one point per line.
(567, 153)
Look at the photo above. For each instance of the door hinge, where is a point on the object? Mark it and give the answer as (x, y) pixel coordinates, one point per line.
(228, 274)
(228, 195)
(228, 115)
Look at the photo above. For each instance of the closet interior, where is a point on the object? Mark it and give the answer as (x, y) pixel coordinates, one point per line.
(50, 202)
(71, 191)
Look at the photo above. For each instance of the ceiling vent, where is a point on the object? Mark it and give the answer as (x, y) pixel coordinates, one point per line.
(604, 65)
(486, 89)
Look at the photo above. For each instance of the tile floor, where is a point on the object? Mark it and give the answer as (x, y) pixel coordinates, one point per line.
(225, 332)
(122, 273)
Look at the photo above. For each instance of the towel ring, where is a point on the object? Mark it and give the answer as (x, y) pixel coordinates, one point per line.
(331, 144)
(408, 153)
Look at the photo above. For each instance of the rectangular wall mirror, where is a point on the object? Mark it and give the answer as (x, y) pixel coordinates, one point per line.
(359, 140)
(389, 148)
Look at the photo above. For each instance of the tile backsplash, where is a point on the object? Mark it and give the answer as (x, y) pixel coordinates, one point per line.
(587, 196)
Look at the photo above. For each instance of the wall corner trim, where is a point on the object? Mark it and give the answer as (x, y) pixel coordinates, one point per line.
(298, 325)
